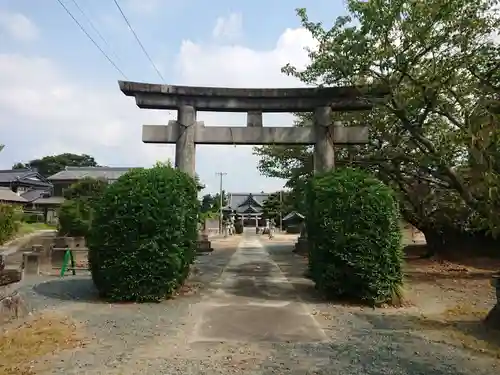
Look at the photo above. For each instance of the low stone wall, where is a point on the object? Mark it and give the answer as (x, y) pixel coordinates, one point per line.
(10, 276)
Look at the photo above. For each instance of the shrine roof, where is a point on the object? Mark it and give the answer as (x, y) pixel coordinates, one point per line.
(236, 200)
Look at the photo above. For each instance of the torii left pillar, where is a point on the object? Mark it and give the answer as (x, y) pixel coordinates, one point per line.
(185, 146)
(185, 156)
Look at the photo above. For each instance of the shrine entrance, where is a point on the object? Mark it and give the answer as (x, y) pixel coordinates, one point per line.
(186, 132)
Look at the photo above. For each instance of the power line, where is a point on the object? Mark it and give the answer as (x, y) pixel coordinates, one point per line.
(138, 40)
(96, 30)
(92, 40)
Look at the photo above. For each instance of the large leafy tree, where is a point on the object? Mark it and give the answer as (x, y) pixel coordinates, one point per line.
(434, 138)
(211, 203)
(207, 201)
(50, 165)
(276, 204)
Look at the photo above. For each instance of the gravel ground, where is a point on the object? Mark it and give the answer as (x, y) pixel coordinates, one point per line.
(147, 339)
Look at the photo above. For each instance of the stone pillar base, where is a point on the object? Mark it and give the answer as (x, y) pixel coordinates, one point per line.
(302, 246)
(204, 245)
(31, 263)
(12, 306)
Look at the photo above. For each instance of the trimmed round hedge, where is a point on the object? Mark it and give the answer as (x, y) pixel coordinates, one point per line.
(143, 235)
(354, 235)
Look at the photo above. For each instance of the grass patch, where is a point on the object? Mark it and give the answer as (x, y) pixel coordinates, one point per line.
(27, 228)
(464, 325)
(45, 334)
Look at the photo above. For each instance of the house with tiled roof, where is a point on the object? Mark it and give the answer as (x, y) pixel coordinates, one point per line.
(23, 180)
(26, 187)
(8, 196)
(68, 176)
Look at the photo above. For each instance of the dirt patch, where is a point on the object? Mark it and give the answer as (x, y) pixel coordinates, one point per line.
(447, 299)
(453, 298)
(462, 326)
(24, 343)
(451, 283)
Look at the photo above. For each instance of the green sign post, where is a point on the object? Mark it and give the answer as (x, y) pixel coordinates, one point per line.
(68, 259)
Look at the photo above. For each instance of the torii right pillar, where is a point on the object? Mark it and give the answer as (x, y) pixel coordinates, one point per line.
(326, 134)
(324, 149)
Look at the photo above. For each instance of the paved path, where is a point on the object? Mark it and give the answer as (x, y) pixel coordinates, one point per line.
(247, 319)
(254, 302)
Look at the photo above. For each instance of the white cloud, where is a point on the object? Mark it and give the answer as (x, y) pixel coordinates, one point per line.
(238, 66)
(45, 111)
(18, 26)
(228, 28)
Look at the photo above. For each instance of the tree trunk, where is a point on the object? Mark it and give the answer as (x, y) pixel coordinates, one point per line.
(435, 242)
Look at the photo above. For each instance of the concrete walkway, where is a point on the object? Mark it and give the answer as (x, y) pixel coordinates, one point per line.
(252, 301)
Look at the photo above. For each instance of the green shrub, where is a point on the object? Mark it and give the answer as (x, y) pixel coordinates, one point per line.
(354, 235)
(76, 212)
(143, 235)
(74, 218)
(88, 188)
(31, 218)
(9, 221)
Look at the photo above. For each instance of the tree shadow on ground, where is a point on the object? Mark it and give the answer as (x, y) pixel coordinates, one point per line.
(82, 289)
(263, 280)
(414, 256)
(468, 332)
(426, 276)
(280, 280)
(375, 353)
(69, 289)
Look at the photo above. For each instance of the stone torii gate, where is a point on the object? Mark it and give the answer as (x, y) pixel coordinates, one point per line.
(186, 132)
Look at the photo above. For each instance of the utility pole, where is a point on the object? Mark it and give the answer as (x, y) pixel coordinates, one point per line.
(221, 175)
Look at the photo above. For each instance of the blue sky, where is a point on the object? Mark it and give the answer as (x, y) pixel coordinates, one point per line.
(59, 94)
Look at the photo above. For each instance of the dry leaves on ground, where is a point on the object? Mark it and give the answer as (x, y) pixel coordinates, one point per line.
(22, 344)
(462, 325)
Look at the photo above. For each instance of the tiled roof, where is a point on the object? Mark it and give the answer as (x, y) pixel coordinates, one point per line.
(9, 175)
(238, 199)
(25, 176)
(240, 202)
(292, 215)
(248, 209)
(49, 201)
(78, 173)
(7, 195)
(34, 194)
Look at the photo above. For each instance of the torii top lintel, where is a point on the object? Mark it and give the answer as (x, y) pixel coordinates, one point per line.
(224, 99)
